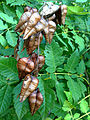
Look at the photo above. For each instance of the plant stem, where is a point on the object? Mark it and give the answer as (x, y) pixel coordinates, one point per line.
(84, 98)
(83, 116)
(69, 75)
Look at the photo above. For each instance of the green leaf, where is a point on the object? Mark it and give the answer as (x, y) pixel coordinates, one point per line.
(5, 98)
(82, 87)
(84, 106)
(19, 2)
(2, 41)
(76, 115)
(57, 36)
(7, 18)
(60, 92)
(9, 1)
(57, 110)
(88, 118)
(28, 116)
(80, 42)
(81, 67)
(7, 52)
(72, 62)
(3, 26)
(67, 106)
(11, 38)
(81, 1)
(48, 96)
(69, 96)
(74, 88)
(9, 10)
(76, 10)
(19, 11)
(8, 69)
(53, 56)
(20, 108)
(68, 117)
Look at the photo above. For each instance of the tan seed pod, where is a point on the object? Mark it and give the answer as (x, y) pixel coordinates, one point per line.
(39, 64)
(49, 9)
(32, 42)
(24, 66)
(35, 29)
(64, 12)
(35, 100)
(49, 31)
(29, 85)
(23, 22)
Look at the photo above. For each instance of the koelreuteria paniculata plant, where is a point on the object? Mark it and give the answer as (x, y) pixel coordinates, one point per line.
(59, 71)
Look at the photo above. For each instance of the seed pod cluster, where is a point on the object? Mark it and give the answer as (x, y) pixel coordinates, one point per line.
(33, 25)
(27, 69)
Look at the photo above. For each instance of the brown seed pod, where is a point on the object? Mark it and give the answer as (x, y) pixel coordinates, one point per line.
(49, 9)
(49, 31)
(64, 12)
(30, 83)
(35, 100)
(33, 29)
(32, 42)
(39, 64)
(24, 66)
(23, 22)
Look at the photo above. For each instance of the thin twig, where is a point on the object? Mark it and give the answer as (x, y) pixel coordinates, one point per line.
(84, 98)
(83, 116)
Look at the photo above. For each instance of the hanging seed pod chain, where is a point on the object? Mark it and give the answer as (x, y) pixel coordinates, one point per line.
(33, 25)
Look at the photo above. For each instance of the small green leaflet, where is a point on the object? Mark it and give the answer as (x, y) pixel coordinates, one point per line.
(53, 56)
(48, 98)
(9, 1)
(76, 115)
(72, 62)
(60, 92)
(68, 117)
(2, 41)
(21, 108)
(81, 67)
(74, 88)
(3, 26)
(7, 18)
(84, 106)
(81, 1)
(5, 98)
(11, 38)
(8, 69)
(19, 11)
(80, 42)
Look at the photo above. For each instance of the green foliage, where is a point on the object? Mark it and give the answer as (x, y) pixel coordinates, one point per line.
(63, 80)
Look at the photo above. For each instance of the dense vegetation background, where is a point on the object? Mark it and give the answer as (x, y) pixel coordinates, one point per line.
(64, 79)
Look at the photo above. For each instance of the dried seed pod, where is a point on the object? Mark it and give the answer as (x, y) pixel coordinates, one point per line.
(38, 64)
(32, 42)
(49, 31)
(35, 100)
(49, 9)
(24, 66)
(64, 12)
(23, 22)
(30, 83)
(31, 30)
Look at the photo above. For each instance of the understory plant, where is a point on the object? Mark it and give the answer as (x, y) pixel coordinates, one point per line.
(64, 78)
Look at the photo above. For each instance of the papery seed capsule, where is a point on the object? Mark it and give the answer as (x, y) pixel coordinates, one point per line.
(35, 100)
(28, 87)
(24, 66)
(39, 64)
(32, 42)
(64, 12)
(49, 31)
